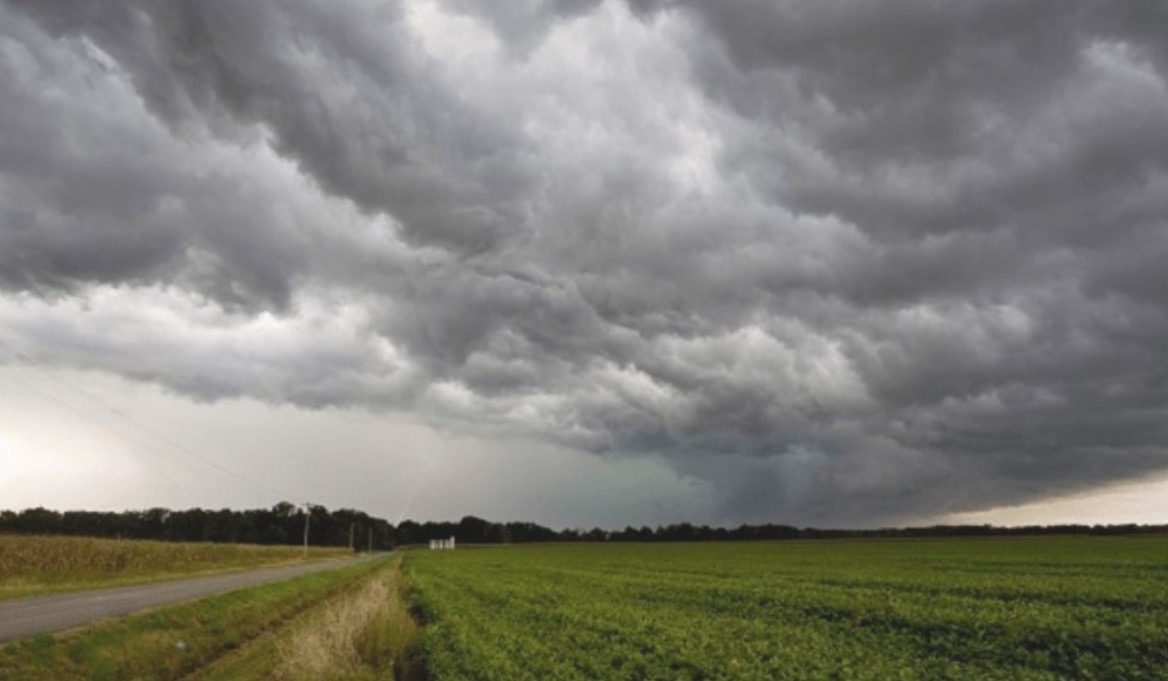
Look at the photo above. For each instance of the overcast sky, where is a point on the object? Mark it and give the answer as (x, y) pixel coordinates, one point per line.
(587, 262)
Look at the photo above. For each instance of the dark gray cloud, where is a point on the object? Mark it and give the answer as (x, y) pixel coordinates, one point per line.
(521, 26)
(847, 262)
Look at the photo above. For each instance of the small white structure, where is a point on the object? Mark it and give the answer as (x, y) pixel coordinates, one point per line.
(442, 544)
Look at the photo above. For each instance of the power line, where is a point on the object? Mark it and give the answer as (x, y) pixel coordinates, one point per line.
(418, 484)
(135, 423)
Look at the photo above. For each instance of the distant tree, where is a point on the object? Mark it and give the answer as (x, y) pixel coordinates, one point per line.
(595, 534)
(472, 530)
(284, 524)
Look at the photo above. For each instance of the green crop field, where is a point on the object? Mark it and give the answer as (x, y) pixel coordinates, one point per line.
(1051, 608)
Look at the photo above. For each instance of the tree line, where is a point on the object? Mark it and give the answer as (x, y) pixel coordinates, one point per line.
(284, 524)
(472, 530)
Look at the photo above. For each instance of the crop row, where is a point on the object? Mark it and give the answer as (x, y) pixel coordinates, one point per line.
(1086, 608)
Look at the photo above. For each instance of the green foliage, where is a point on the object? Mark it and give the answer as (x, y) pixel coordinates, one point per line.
(281, 524)
(1050, 608)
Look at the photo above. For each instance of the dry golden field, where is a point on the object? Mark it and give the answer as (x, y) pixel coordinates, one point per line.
(33, 564)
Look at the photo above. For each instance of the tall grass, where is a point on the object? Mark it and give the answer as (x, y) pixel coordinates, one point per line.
(31, 564)
(367, 634)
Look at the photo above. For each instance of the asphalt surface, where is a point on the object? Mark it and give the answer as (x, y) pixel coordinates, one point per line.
(30, 616)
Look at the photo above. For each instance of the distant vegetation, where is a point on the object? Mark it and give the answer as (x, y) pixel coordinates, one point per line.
(1038, 609)
(284, 524)
(472, 530)
(281, 524)
(36, 564)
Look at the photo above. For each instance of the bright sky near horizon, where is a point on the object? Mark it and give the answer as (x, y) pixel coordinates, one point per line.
(588, 262)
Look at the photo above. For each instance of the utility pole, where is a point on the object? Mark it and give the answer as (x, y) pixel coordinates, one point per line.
(370, 539)
(307, 515)
(351, 536)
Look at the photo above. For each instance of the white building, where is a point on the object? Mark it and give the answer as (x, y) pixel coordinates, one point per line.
(442, 544)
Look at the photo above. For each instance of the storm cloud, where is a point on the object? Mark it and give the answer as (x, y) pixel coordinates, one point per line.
(842, 261)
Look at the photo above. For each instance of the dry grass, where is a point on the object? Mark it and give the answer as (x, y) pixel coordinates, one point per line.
(366, 634)
(32, 564)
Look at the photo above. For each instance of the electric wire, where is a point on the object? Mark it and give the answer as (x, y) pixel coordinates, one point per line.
(418, 484)
(157, 436)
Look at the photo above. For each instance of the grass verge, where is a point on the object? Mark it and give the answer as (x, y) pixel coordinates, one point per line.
(175, 642)
(364, 633)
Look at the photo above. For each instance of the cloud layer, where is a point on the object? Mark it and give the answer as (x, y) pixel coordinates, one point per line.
(842, 261)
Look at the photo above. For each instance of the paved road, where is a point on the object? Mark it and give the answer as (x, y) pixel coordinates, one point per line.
(31, 616)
